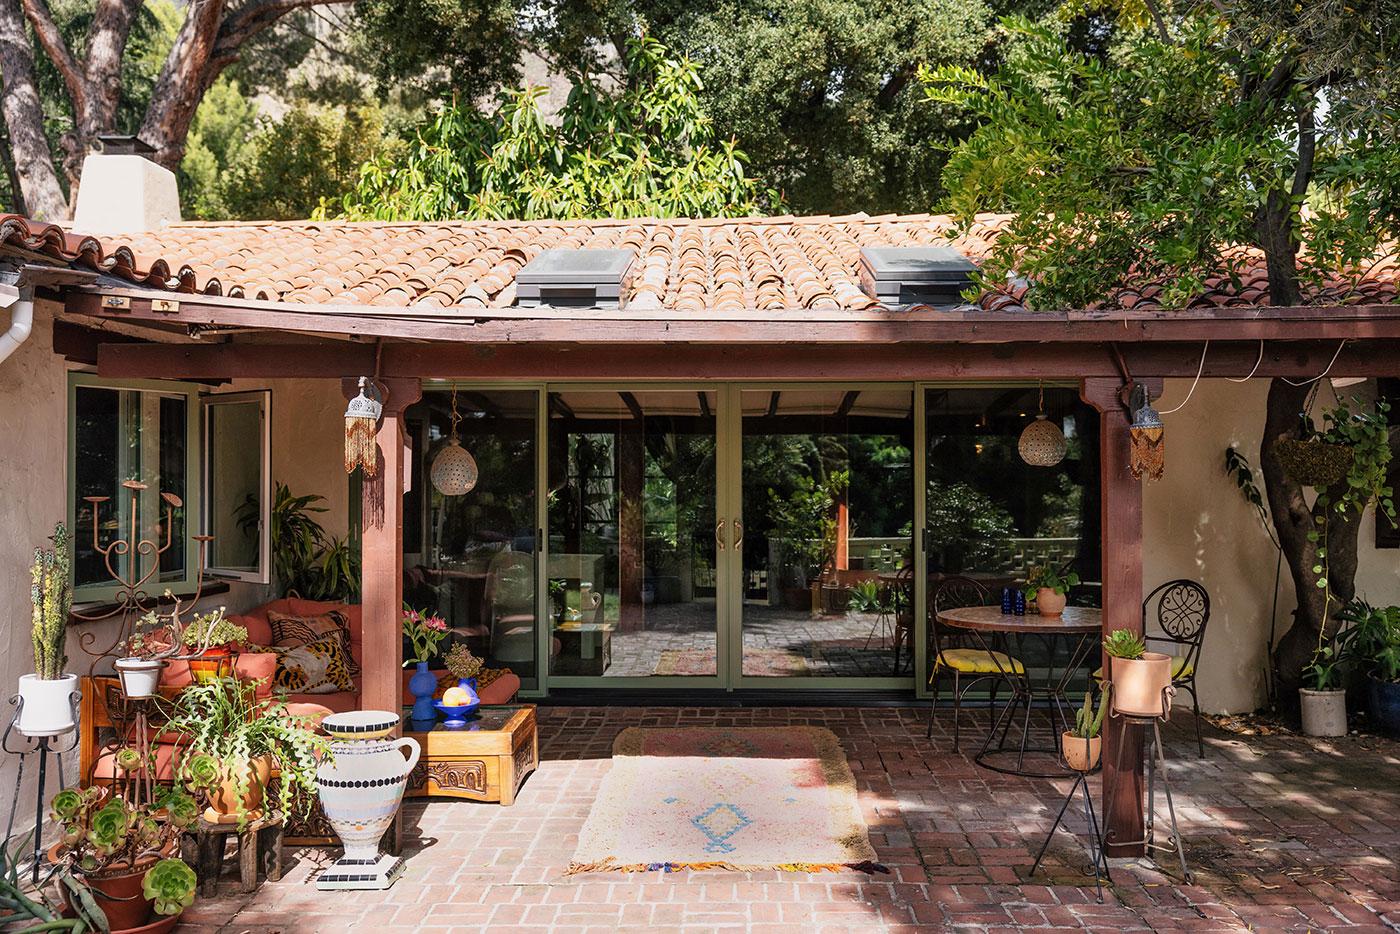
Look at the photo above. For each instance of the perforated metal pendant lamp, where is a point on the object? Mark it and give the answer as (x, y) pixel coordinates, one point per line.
(454, 471)
(1042, 442)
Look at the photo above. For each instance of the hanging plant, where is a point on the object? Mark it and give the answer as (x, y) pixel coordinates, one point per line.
(1314, 462)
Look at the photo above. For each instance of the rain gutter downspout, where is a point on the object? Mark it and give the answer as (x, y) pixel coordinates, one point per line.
(20, 301)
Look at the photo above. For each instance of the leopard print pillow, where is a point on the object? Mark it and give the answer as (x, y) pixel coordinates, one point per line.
(304, 630)
(317, 668)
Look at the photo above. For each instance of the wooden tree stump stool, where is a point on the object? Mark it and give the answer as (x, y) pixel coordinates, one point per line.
(259, 847)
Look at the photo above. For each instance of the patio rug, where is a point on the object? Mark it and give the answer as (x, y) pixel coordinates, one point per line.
(758, 663)
(741, 798)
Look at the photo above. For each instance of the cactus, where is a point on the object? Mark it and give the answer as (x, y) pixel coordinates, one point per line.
(1087, 723)
(51, 592)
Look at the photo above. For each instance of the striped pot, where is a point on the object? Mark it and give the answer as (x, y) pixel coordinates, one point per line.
(361, 789)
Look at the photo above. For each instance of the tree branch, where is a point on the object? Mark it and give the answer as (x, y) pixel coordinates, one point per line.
(51, 41)
(107, 38)
(1160, 23)
(38, 186)
(1307, 149)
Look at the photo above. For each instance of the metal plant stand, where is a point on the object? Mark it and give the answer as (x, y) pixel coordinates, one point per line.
(1156, 755)
(42, 745)
(1098, 860)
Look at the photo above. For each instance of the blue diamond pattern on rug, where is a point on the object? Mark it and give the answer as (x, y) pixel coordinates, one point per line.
(719, 823)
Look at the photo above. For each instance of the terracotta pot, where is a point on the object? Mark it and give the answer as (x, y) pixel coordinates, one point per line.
(1142, 686)
(1048, 602)
(118, 892)
(223, 800)
(1080, 754)
(1324, 712)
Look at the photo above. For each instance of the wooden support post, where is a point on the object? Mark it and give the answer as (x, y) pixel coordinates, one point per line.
(631, 524)
(381, 559)
(1121, 511)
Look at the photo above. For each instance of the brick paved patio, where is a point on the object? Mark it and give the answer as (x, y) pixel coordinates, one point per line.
(1284, 833)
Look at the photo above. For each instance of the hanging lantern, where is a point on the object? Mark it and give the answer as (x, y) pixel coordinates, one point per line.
(1042, 444)
(454, 469)
(1147, 442)
(361, 424)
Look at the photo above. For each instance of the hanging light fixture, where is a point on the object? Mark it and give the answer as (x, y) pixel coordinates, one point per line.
(454, 469)
(1042, 444)
(361, 423)
(1147, 456)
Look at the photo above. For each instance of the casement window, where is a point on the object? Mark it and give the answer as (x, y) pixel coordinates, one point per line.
(162, 461)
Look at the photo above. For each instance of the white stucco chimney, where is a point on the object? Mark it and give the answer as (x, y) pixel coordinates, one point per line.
(122, 191)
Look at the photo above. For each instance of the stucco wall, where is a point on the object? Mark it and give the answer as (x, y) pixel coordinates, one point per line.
(1197, 525)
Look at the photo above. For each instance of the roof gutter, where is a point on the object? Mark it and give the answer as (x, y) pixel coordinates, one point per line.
(20, 301)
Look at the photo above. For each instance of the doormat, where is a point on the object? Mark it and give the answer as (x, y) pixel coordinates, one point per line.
(740, 798)
(758, 663)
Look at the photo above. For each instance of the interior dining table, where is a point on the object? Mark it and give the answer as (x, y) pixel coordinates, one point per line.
(1064, 645)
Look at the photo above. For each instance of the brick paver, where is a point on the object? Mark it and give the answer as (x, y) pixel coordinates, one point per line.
(1284, 834)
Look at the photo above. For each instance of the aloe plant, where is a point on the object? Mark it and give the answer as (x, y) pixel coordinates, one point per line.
(51, 592)
(1124, 643)
(1087, 722)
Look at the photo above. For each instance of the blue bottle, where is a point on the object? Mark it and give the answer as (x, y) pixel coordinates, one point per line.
(1020, 602)
(1008, 602)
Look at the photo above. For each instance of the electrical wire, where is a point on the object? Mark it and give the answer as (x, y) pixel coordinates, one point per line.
(1324, 372)
(1256, 366)
(1190, 392)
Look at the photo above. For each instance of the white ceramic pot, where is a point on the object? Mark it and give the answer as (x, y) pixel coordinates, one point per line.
(47, 705)
(361, 790)
(1142, 686)
(140, 677)
(1324, 712)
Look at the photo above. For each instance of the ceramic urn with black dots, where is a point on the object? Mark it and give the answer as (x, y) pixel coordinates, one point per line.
(361, 786)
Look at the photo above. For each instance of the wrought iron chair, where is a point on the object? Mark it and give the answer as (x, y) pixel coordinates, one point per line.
(953, 650)
(901, 594)
(1181, 610)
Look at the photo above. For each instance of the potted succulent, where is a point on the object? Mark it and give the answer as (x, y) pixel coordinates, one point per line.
(144, 656)
(424, 631)
(46, 695)
(1323, 695)
(234, 740)
(1140, 681)
(1050, 587)
(124, 852)
(1083, 745)
(211, 639)
(1373, 642)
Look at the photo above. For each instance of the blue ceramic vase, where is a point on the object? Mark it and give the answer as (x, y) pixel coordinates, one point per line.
(423, 684)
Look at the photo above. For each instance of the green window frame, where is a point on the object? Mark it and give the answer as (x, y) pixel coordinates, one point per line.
(138, 410)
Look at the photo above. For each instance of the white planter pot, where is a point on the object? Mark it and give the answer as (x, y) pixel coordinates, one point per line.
(1324, 712)
(360, 791)
(47, 705)
(140, 677)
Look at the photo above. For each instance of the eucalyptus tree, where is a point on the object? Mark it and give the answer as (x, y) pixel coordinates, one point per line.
(1197, 130)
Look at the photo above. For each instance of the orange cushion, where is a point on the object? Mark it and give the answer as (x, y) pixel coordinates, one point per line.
(339, 702)
(259, 630)
(250, 666)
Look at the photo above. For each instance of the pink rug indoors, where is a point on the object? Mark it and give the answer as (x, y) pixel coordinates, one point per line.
(742, 798)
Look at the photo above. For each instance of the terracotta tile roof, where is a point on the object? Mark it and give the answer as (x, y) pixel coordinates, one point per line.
(687, 266)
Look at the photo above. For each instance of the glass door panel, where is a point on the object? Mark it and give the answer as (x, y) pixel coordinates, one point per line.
(473, 558)
(633, 577)
(827, 514)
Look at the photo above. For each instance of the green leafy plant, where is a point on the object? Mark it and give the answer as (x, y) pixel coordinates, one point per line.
(1372, 639)
(1124, 643)
(213, 630)
(1051, 577)
(1326, 670)
(1087, 722)
(644, 150)
(100, 834)
(170, 885)
(51, 594)
(224, 719)
(22, 902)
(201, 771)
(966, 527)
(865, 597)
(306, 561)
(805, 521)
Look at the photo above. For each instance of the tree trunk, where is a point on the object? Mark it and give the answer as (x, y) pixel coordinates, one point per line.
(1294, 519)
(39, 187)
(182, 82)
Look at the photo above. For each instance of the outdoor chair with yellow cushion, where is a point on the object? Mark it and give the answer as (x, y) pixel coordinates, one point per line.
(1174, 616)
(953, 651)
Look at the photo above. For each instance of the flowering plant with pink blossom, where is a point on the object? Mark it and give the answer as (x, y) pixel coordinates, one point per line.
(424, 630)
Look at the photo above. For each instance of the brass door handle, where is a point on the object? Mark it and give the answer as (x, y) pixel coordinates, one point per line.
(719, 535)
(738, 533)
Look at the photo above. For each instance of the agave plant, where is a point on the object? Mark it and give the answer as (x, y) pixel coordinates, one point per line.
(1124, 643)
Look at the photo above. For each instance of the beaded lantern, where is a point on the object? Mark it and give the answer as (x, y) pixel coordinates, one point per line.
(454, 471)
(1042, 443)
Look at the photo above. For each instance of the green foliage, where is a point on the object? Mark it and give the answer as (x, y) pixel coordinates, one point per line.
(21, 902)
(108, 828)
(51, 595)
(1124, 643)
(804, 521)
(305, 560)
(966, 527)
(213, 630)
(201, 772)
(865, 597)
(226, 721)
(1325, 670)
(1372, 640)
(1087, 723)
(1156, 161)
(646, 150)
(170, 884)
(1059, 580)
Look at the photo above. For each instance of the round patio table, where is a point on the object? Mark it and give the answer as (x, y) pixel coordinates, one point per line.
(1065, 642)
